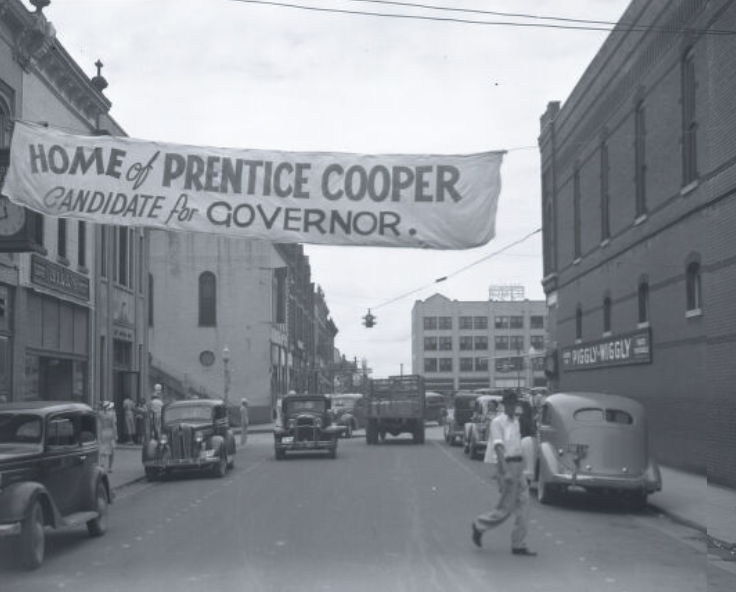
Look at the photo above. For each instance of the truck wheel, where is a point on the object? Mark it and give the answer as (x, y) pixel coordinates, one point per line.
(98, 526)
(32, 541)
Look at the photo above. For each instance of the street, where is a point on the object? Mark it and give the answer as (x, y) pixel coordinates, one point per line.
(389, 517)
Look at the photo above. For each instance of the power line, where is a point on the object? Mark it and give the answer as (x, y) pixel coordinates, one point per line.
(454, 273)
(592, 25)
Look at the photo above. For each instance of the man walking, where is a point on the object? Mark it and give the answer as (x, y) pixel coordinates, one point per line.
(156, 406)
(505, 439)
(244, 421)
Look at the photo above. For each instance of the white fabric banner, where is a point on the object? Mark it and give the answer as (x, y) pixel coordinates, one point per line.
(422, 201)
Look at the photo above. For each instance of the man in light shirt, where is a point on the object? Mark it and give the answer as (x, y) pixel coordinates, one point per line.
(505, 439)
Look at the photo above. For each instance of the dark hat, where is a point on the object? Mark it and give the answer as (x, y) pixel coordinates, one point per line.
(509, 396)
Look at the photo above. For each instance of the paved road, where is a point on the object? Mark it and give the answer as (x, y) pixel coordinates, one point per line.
(394, 517)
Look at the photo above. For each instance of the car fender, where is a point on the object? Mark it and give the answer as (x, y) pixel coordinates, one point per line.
(150, 450)
(231, 446)
(653, 477)
(218, 444)
(17, 499)
(547, 460)
(96, 476)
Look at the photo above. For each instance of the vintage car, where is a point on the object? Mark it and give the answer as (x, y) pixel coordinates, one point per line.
(475, 435)
(460, 412)
(195, 434)
(49, 474)
(306, 425)
(597, 442)
(348, 410)
(435, 407)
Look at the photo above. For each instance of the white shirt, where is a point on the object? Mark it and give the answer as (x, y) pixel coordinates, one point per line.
(505, 430)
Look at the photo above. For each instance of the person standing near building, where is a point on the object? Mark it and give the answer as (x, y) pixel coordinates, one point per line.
(244, 421)
(107, 421)
(506, 441)
(129, 417)
(156, 406)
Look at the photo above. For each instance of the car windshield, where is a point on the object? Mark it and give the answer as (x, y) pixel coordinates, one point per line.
(310, 405)
(188, 413)
(343, 403)
(20, 429)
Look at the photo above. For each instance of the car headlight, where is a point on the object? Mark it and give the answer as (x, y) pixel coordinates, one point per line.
(198, 437)
(164, 439)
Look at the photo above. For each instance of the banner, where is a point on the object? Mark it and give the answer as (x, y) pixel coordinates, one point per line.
(620, 350)
(422, 201)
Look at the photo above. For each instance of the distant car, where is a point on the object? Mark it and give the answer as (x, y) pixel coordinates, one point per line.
(195, 435)
(49, 474)
(306, 425)
(595, 441)
(435, 407)
(460, 413)
(477, 429)
(348, 410)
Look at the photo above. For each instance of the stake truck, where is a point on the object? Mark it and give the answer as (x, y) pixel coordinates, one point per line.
(395, 405)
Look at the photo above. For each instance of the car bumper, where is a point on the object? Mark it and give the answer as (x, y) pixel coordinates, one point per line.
(606, 482)
(9, 529)
(182, 463)
(305, 445)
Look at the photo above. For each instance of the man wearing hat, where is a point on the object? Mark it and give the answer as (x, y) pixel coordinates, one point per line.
(506, 441)
(244, 421)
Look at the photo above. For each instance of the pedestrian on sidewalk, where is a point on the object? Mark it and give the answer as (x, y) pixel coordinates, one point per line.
(143, 422)
(108, 429)
(505, 438)
(244, 421)
(156, 406)
(129, 417)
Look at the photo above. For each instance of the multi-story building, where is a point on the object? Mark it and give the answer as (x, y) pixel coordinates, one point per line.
(462, 345)
(72, 299)
(639, 207)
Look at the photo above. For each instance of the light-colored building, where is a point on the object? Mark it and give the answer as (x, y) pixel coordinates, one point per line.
(465, 345)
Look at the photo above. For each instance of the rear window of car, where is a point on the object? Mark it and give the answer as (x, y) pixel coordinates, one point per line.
(595, 414)
(589, 414)
(618, 416)
(20, 429)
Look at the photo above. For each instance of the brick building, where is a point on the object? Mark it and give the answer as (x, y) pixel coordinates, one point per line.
(639, 210)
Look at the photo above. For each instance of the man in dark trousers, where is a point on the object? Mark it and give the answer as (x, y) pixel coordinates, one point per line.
(506, 441)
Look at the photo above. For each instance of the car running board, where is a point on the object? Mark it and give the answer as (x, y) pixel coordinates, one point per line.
(78, 518)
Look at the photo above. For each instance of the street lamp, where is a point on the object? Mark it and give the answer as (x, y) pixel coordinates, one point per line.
(226, 370)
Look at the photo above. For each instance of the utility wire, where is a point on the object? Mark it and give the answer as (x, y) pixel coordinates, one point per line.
(454, 273)
(593, 26)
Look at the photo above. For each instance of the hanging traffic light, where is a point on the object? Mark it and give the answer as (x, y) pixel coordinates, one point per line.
(369, 320)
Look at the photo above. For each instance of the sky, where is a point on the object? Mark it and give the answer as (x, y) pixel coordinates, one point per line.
(235, 73)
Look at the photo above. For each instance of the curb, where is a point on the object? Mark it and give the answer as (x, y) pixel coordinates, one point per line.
(679, 519)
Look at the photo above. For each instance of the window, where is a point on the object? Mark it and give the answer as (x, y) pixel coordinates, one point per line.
(466, 364)
(480, 322)
(430, 344)
(481, 342)
(502, 342)
(643, 298)
(61, 432)
(501, 322)
(430, 364)
(207, 299)
(123, 263)
(61, 238)
(577, 246)
(82, 244)
(607, 314)
(445, 323)
(430, 323)
(516, 343)
(605, 201)
(510, 365)
(445, 343)
(481, 364)
(689, 122)
(590, 414)
(150, 300)
(537, 342)
(693, 287)
(103, 251)
(445, 364)
(466, 343)
(466, 322)
(579, 322)
(640, 166)
(536, 322)
(516, 322)
(279, 287)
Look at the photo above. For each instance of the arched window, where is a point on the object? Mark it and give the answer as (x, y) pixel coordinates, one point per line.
(607, 314)
(643, 298)
(207, 299)
(579, 322)
(693, 288)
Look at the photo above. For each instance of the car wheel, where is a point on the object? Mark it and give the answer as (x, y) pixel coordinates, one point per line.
(221, 467)
(32, 541)
(98, 526)
(151, 473)
(349, 431)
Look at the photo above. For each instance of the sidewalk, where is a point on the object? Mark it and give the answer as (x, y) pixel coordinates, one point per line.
(685, 497)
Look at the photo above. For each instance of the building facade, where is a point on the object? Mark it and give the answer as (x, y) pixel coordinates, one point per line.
(639, 206)
(70, 297)
(461, 345)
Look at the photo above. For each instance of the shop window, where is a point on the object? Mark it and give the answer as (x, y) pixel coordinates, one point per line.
(693, 287)
(207, 299)
(643, 299)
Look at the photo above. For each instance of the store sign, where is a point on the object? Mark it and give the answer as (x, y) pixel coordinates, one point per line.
(59, 278)
(421, 201)
(624, 349)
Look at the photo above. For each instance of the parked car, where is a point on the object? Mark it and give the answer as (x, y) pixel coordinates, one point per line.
(475, 435)
(49, 474)
(195, 435)
(348, 411)
(460, 412)
(306, 424)
(435, 407)
(595, 441)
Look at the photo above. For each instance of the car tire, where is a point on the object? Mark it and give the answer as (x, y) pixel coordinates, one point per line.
(151, 474)
(32, 539)
(349, 431)
(220, 469)
(98, 526)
